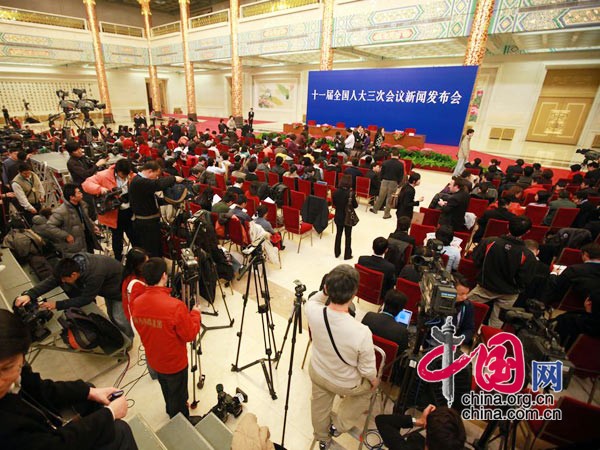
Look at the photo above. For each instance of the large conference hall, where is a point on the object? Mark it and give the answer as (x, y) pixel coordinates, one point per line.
(179, 176)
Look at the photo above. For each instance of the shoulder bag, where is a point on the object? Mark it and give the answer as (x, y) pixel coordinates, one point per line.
(350, 219)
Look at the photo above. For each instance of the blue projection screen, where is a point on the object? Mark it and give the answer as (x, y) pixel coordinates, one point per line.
(434, 100)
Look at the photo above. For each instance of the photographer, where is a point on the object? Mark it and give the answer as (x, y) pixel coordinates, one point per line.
(118, 220)
(28, 190)
(165, 326)
(29, 404)
(70, 226)
(343, 357)
(144, 205)
(80, 168)
(464, 318)
(83, 277)
(444, 430)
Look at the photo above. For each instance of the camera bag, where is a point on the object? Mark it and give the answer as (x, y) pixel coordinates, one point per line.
(82, 331)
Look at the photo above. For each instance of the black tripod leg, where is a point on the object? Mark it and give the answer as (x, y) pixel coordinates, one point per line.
(296, 317)
(235, 367)
(269, 380)
(287, 330)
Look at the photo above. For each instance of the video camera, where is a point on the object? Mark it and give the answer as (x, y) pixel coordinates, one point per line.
(35, 319)
(588, 155)
(540, 341)
(110, 201)
(437, 285)
(227, 404)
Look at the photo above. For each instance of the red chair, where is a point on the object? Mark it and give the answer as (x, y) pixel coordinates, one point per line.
(238, 233)
(370, 284)
(194, 207)
(537, 233)
(468, 268)
(466, 237)
(250, 206)
(409, 131)
(297, 199)
(363, 187)
(305, 187)
(220, 179)
(311, 123)
(486, 332)
(431, 216)
(413, 292)
(185, 171)
(271, 213)
(293, 224)
(536, 213)
(473, 171)
(262, 176)
(272, 178)
(571, 301)
(320, 190)
(372, 127)
(390, 349)
(579, 424)
(407, 165)
(329, 177)
(563, 218)
(480, 310)
(419, 232)
(496, 182)
(585, 357)
(340, 125)
(529, 198)
(290, 182)
(495, 228)
(568, 257)
(594, 200)
(477, 206)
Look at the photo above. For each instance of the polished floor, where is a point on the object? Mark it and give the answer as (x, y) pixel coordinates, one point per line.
(219, 347)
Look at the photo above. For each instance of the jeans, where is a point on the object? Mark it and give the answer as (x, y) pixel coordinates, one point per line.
(338, 240)
(124, 226)
(388, 187)
(116, 314)
(175, 392)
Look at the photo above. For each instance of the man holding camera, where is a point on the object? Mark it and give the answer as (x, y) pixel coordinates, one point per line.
(144, 205)
(83, 277)
(343, 357)
(28, 404)
(28, 190)
(118, 220)
(165, 326)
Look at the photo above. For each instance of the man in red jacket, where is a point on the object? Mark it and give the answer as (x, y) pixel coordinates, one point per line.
(165, 326)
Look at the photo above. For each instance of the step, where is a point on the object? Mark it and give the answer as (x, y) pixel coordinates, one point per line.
(215, 432)
(179, 434)
(145, 438)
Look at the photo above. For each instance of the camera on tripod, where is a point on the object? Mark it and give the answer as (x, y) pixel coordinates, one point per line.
(35, 319)
(188, 260)
(540, 342)
(110, 201)
(228, 404)
(588, 155)
(299, 287)
(437, 285)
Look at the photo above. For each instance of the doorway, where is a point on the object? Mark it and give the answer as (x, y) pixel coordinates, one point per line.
(162, 89)
(564, 105)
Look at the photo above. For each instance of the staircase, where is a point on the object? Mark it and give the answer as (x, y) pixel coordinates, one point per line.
(179, 434)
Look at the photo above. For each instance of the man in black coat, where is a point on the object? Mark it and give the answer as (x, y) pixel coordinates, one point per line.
(454, 209)
(144, 205)
(29, 405)
(573, 323)
(587, 210)
(353, 171)
(378, 263)
(500, 213)
(583, 278)
(175, 131)
(84, 277)
(406, 199)
(384, 324)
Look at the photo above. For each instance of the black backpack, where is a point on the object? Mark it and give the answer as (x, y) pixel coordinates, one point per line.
(263, 190)
(279, 192)
(82, 331)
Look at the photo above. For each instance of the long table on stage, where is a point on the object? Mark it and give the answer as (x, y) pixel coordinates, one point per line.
(417, 140)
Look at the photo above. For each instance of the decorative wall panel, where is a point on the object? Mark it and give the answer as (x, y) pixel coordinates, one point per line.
(121, 54)
(286, 38)
(167, 54)
(20, 45)
(213, 48)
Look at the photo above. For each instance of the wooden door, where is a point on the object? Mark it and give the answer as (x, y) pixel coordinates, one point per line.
(559, 120)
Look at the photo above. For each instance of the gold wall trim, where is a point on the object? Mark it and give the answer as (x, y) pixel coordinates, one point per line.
(123, 30)
(268, 7)
(209, 19)
(22, 15)
(168, 28)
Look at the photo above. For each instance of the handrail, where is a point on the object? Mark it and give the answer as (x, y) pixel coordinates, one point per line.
(210, 19)
(167, 28)
(268, 7)
(24, 15)
(124, 30)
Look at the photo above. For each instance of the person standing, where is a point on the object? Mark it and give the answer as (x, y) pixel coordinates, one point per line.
(392, 173)
(455, 208)
(463, 152)
(29, 191)
(406, 199)
(6, 115)
(165, 326)
(251, 118)
(144, 206)
(341, 197)
(118, 220)
(343, 357)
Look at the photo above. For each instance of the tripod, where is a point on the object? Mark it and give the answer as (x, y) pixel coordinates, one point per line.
(296, 319)
(257, 273)
(211, 272)
(189, 292)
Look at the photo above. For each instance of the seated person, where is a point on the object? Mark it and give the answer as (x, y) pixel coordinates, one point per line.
(537, 288)
(223, 205)
(378, 263)
(443, 425)
(451, 246)
(384, 324)
(236, 187)
(573, 323)
(561, 202)
(584, 278)
(28, 404)
(239, 209)
(401, 232)
(464, 318)
(409, 271)
(499, 213)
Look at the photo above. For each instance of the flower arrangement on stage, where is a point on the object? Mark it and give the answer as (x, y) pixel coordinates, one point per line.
(325, 127)
(297, 125)
(399, 135)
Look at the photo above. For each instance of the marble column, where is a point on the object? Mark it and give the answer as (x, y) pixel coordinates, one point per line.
(90, 9)
(327, 36)
(188, 66)
(236, 63)
(154, 89)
